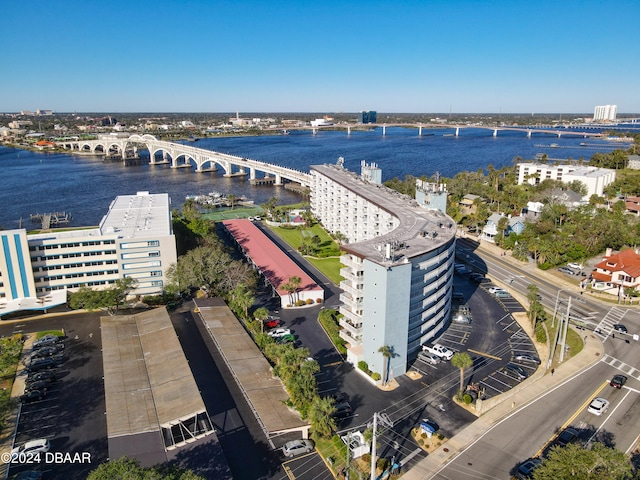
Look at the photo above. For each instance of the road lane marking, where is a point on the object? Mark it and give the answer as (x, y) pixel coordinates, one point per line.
(573, 417)
(608, 417)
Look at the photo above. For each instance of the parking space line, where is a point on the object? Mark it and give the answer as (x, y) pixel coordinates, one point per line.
(483, 354)
(491, 387)
(503, 318)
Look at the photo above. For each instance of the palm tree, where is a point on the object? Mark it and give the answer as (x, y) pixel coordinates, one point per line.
(461, 360)
(295, 283)
(261, 315)
(387, 353)
(320, 416)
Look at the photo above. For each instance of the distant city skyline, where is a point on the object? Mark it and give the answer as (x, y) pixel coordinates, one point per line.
(331, 56)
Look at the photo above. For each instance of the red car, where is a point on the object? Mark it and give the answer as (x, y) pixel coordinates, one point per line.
(271, 322)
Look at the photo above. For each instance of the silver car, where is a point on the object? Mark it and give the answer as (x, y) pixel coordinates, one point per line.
(430, 358)
(296, 447)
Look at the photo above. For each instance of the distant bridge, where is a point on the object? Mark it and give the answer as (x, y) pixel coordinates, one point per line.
(558, 132)
(182, 156)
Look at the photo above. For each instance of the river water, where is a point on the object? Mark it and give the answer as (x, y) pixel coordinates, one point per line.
(85, 186)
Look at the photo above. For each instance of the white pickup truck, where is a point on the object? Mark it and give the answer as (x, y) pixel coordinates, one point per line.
(439, 350)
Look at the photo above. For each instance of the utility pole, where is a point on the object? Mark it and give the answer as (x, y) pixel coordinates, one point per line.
(373, 446)
(564, 328)
(346, 473)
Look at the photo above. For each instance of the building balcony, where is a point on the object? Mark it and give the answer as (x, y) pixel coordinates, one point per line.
(355, 331)
(345, 335)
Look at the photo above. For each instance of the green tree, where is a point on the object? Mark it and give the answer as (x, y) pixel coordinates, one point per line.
(462, 361)
(212, 267)
(111, 298)
(573, 461)
(129, 469)
(240, 299)
(321, 416)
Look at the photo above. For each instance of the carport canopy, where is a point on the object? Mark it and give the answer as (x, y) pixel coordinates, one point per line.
(153, 403)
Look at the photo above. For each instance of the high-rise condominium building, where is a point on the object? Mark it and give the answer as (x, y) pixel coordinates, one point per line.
(605, 113)
(398, 267)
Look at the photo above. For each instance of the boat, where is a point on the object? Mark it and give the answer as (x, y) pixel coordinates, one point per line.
(554, 145)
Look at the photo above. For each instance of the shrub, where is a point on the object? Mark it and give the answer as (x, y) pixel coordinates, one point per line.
(420, 442)
(366, 458)
(318, 300)
(376, 376)
(309, 301)
(541, 334)
(467, 398)
(299, 303)
(383, 464)
(364, 366)
(440, 436)
(423, 435)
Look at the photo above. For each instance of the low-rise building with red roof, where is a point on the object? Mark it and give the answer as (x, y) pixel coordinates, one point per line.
(617, 271)
(274, 264)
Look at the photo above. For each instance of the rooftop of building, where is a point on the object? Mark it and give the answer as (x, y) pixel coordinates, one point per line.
(274, 264)
(583, 170)
(140, 215)
(420, 231)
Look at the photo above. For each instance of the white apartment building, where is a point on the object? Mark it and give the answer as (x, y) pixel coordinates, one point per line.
(596, 179)
(134, 239)
(398, 270)
(605, 113)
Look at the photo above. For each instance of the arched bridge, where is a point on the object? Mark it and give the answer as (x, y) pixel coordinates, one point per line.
(185, 156)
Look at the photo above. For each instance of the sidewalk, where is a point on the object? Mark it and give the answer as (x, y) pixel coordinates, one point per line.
(513, 401)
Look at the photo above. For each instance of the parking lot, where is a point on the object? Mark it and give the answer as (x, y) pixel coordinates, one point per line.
(71, 413)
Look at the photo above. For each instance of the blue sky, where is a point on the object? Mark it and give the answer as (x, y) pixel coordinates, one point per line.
(319, 56)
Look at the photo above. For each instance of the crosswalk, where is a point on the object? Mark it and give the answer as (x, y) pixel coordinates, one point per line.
(613, 316)
(625, 368)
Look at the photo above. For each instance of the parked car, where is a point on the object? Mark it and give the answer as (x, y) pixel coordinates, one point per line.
(430, 358)
(515, 371)
(39, 385)
(598, 406)
(48, 339)
(48, 350)
(288, 338)
(33, 396)
(527, 358)
(575, 266)
(343, 410)
(618, 381)
(457, 297)
(461, 318)
(566, 270)
(40, 445)
(618, 327)
(279, 332)
(48, 375)
(502, 294)
(568, 435)
(297, 447)
(526, 469)
(37, 364)
(439, 350)
(495, 289)
(271, 322)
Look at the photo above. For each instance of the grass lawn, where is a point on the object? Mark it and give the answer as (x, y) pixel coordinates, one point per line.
(329, 266)
(575, 342)
(232, 213)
